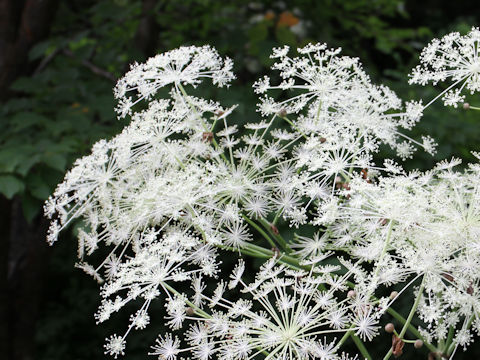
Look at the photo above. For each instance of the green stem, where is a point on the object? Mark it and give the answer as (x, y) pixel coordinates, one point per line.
(410, 316)
(361, 346)
(293, 126)
(245, 252)
(453, 345)
(188, 302)
(412, 329)
(277, 237)
(344, 338)
(413, 309)
(260, 230)
(260, 252)
(200, 312)
(214, 142)
(384, 250)
(451, 332)
(318, 111)
(277, 216)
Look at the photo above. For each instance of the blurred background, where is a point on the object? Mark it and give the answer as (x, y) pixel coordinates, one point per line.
(58, 63)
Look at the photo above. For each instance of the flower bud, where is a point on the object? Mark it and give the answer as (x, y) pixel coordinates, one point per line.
(274, 229)
(190, 311)
(207, 136)
(466, 106)
(351, 294)
(418, 344)
(393, 295)
(390, 328)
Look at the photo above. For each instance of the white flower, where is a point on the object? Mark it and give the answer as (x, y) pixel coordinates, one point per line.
(367, 324)
(322, 75)
(185, 65)
(167, 347)
(453, 56)
(115, 346)
(181, 185)
(285, 316)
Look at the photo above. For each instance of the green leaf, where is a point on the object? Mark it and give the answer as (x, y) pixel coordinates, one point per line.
(38, 187)
(10, 158)
(259, 32)
(31, 207)
(10, 185)
(18, 158)
(26, 119)
(285, 36)
(40, 50)
(26, 164)
(55, 161)
(29, 85)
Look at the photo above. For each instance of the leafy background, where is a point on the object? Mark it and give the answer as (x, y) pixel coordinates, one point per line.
(58, 64)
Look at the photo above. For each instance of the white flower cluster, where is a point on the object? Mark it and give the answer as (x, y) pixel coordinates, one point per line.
(186, 65)
(182, 186)
(453, 56)
(421, 225)
(285, 316)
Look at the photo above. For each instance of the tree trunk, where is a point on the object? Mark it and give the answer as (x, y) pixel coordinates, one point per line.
(146, 37)
(27, 262)
(23, 23)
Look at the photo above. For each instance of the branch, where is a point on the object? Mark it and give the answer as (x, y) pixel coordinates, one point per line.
(92, 67)
(45, 61)
(22, 25)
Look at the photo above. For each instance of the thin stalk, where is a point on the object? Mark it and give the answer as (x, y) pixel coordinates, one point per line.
(292, 262)
(214, 142)
(451, 332)
(293, 125)
(410, 316)
(343, 339)
(385, 249)
(277, 237)
(199, 311)
(361, 346)
(260, 230)
(244, 251)
(412, 329)
(452, 346)
(259, 252)
(188, 302)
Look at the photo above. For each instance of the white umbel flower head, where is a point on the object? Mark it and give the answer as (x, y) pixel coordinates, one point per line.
(284, 316)
(454, 56)
(185, 65)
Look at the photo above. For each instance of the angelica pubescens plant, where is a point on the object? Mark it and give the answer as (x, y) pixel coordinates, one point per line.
(182, 185)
